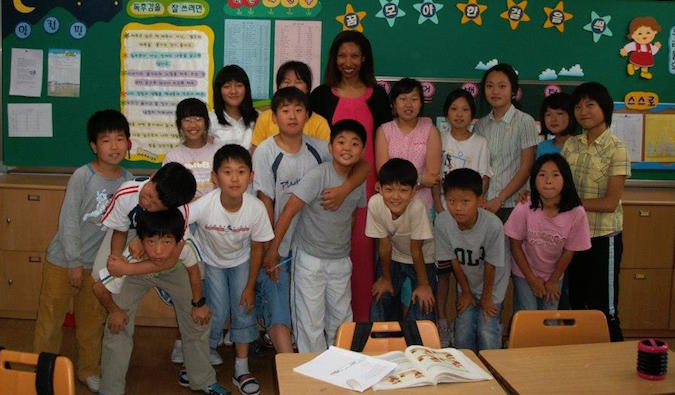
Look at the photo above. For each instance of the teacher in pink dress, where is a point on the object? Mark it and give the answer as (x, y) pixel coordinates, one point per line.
(349, 91)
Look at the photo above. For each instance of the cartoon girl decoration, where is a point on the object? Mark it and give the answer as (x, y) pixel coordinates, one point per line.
(642, 31)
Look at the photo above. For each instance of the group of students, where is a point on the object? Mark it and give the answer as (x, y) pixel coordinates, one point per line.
(341, 205)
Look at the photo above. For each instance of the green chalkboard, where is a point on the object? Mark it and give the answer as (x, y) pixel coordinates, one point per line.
(436, 47)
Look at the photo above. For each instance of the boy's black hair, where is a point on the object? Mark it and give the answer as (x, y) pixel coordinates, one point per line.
(456, 94)
(348, 125)
(168, 222)
(598, 92)
(289, 94)
(398, 171)
(510, 74)
(569, 198)
(106, 121)
(332, 76)
(558, 101)
(175, 184)
(192, 107)
(300, 69)
(231, 152)
(465, 179)
(406, 85)
(233, 73)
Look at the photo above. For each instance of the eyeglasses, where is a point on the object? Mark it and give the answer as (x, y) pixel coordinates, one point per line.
(192, 119)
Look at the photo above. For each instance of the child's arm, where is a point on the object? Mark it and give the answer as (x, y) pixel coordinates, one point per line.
(248, 296)
(269, 204)
(436, 194)
(118, 242)
(432, 167)
(332, 198)
(272, 258)
(117, 318)
(200, 315)
(381, 149)
(517, 181)
(609, 202)
(486, 184)
(489, 308)
(119, 266)
(466, 299)
(423, 292)
(553, 283)
(537, 284)
(383, 284)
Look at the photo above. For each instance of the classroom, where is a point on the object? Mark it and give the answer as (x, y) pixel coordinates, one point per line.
(560, 112)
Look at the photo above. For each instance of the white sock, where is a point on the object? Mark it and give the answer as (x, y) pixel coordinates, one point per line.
(240, 366)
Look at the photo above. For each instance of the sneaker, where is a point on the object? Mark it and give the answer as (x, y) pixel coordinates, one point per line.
(93, 382)
(183, 380)
(215, 358)
(166, 298)
(225, 339)
(177, 352)
(267, 340)
(216, 389)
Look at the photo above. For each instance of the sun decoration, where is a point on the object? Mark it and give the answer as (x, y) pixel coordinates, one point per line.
(351, 20)
(515, 13)
(471, 12)
(556, 17)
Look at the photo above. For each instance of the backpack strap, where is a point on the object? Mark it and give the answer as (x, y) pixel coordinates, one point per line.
(361, 335)
(411, 333)
(275, 165)
(314, 152)
(44, 374)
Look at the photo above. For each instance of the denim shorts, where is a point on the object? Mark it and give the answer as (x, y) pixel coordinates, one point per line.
(273, 298)
(474, 332)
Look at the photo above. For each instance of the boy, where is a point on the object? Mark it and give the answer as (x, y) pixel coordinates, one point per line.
(400, 222)
(160, 233)
(232, 226)
(279, 163)
(471, 239)
(322, 267)
(71, 254)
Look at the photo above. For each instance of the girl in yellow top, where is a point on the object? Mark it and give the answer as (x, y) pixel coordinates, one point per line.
(297, 74)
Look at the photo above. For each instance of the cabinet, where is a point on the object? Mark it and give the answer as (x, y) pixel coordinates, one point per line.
(29, 214)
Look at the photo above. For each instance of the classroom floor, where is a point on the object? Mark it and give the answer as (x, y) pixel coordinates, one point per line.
(150, 369)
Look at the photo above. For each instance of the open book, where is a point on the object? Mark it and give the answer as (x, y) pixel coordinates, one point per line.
(418, 366)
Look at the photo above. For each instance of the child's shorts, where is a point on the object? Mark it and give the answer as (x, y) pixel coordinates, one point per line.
(443, 268)
(273, 298)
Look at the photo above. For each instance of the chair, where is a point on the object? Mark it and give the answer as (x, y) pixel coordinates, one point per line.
(18, 371)
(387, 336)
(532, 328)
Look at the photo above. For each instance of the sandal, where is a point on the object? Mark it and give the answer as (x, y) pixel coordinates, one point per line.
(244, 380)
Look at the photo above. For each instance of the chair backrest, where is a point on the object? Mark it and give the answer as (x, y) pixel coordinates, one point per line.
(387, 336)
(532, 328)
(18, 371)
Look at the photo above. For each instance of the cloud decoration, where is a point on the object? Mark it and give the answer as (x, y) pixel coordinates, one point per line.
(574, 71)
(486, 66)
(548, 75)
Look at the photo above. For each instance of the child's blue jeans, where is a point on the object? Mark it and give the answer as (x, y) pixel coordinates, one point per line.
(524, 298)
(476, 333)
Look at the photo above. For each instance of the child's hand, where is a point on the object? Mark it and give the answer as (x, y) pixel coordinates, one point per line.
(552, 290)
(270, 262)
(465, 300)
(117, 320)
(623, 52)
(489, 308)
(201, 315)
(493, 205)
(657, 45)
(117, 265)
(248, 299)
(332, 198)
(523, 196)
(538, 286)
(136, 248)
(75, 277)
(424, 295)
(429, 180)
(382, 286)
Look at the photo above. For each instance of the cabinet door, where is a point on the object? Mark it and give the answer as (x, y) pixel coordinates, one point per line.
(20, 283)
(644, 298)
(29, 218)
(648, 236)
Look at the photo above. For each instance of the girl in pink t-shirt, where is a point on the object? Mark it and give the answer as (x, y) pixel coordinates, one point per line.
(544, 233)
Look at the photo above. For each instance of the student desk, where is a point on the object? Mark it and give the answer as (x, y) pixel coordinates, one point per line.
(290, 382)
(579, 368)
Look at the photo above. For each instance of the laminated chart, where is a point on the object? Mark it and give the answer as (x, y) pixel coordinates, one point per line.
(161, 64)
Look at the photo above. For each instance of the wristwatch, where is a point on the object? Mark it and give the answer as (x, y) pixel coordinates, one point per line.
(201, 302)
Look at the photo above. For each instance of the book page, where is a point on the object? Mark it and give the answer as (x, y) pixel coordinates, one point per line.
(405, 375)
(446, 365)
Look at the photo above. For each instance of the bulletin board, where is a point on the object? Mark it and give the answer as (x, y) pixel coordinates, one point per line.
(552, 44)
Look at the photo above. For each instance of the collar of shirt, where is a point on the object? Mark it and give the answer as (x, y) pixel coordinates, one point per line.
(233, 121)
(508, 115)
(601, 141)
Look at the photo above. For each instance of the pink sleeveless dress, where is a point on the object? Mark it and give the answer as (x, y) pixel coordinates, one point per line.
(413, 147)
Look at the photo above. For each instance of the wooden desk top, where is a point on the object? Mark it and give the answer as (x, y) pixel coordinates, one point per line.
(582, 368)
(290, 382)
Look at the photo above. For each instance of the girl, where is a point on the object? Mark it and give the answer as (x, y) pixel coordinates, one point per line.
(299, 75)
(233, 115)
(411, 137)
(461, 148)
(350, 92)
(600, 166)
(545, 233)
(557, 119)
